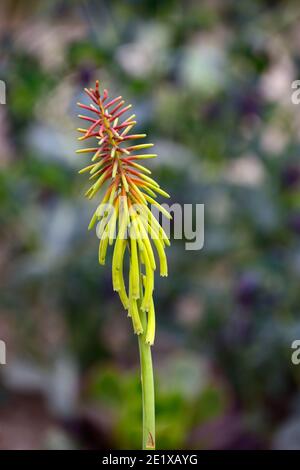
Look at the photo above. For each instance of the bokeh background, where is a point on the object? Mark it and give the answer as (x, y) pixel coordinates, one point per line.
(211, 84)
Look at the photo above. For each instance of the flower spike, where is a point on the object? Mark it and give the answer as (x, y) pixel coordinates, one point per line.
(124, 214)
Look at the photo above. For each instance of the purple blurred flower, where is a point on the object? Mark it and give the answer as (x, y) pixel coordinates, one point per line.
(294, 223)
(290, 177)
(247, 290)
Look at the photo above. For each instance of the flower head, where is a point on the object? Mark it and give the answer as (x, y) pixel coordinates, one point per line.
(124, 214)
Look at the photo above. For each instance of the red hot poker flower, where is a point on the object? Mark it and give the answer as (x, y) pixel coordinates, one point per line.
(124, 214)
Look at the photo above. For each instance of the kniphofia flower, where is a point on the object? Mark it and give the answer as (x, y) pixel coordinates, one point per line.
(124, 219)
(124, 215)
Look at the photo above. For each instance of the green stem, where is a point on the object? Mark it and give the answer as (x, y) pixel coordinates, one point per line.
(147, 389)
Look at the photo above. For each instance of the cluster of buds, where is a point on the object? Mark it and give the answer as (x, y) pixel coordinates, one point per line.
(124, 216)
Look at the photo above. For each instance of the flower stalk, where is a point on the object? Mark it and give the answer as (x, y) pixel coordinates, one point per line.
(148, 398)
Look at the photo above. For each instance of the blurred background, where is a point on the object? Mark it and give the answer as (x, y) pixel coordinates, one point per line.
(210, 81)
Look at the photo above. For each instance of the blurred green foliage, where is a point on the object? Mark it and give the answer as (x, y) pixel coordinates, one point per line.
(179, 407)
